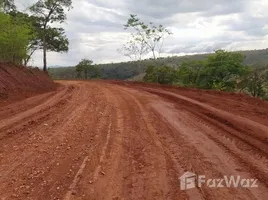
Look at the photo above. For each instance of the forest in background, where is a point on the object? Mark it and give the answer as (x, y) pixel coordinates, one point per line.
(23, 33)
(131, 70)
(243, 71)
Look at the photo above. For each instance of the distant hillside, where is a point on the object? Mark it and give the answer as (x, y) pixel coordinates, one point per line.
(256, 57)
(128, 70)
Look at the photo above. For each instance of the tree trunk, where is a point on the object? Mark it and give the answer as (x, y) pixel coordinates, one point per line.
(44, 52)
(154, 55)
(86, 74)
(27, 59)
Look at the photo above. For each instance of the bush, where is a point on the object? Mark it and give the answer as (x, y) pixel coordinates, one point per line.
(161, 74)
(256, 82)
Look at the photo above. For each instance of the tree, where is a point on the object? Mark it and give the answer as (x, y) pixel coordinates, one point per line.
(256, 82)
(134, 50)
(15, 36)
(189, 73)
(55, 37)
(31, 20)
(56, 40)
(49, 11)
(147, 37)
(150, 74)
(90, 71)
(15, 33)
(222, 69)
(160, 74)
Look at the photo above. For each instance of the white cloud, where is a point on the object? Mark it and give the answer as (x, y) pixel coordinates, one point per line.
(95, 27)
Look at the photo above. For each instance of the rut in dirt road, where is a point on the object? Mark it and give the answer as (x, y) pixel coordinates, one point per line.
(113, 140)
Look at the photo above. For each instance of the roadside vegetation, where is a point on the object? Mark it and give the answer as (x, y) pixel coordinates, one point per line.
(23, 33)
(245, 72)
(86, 70)
(222, 70)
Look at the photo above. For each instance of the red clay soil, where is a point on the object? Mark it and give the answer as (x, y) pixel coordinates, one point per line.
(118, 140)
(17, 82)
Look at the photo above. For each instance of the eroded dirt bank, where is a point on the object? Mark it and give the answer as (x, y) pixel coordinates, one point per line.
(105, 140)
(18, 82)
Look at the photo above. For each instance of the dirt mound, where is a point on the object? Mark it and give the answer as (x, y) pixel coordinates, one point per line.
(17, 82)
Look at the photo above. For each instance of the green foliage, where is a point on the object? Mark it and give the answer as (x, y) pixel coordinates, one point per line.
(121, 71)
(68, 73)
(55, 37)
(219, 71)
(90, 71)
(222, 69)
(127, 70)
(150, 74)
(51, 10)
(25, 18)
(47, 12)
(190, 73)
(56, 40)
(15, 35)
(256, 82)
(160, 74)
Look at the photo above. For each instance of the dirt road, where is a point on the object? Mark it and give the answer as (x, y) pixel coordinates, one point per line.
(101, 140)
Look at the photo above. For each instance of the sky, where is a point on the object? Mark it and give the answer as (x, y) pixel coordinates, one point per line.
(95, 27)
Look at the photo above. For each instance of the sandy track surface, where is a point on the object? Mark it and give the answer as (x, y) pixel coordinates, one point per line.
(101, 140)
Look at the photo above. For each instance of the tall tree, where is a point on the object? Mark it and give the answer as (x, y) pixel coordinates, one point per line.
(148, 36)
(49, 11)
(135, 50)
(55, 37)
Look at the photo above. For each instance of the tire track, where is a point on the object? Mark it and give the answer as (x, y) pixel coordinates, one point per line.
(112, 141)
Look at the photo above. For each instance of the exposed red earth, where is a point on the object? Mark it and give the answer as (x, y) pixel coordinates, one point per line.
(119, 140)
(17, 82)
